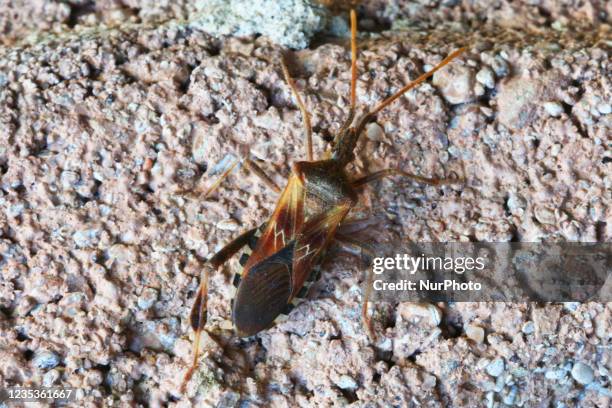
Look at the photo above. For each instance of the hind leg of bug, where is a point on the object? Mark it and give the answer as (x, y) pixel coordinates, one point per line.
(198, 311)
(366, 254)
(373, 177)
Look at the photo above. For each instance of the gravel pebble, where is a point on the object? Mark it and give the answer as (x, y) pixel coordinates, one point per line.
(346, 383)
(374, 132)
(228, 224)
(500, 66)
(51, 377)
(554, 109)
(496, 367)
(583, 373)
(85, 238)
(510, 397)
(46, 359)
(485, 76)
(528, 328)
(555, 374)
(604, 108)
(475, 333)
(456, 83)
(409, 311)
(147, 298)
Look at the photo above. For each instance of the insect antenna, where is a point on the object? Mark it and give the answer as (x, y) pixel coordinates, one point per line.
(353, 106)
(353, 63)
(300, 104)
(413, 84)
(347, 138)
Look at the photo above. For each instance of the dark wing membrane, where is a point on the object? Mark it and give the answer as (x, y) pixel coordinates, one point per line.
(264, 292)
(284, 224)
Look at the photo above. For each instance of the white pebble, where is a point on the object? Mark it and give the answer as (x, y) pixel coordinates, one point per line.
(475, 333)
(229, 224)
(46, 359)
(385, 344)
(496, 367)
(94, 378)
(583, 373)
(456, 85)
(409, 310)
(556, 374)
(553, 108)
(528, 328)
(147, 298)
(168, 332)
(16, 210)
(500, 382)
(69, 178)
(511, 396)
(374, 132)
(516, 202)
(571, 306)
(490, 399)
(479, 90)
(429, 381)
(346, 383)
(606, 392)
(51, 377)
(604, 108)
(500, 66)
(555, 150)
(85, 238)
(485, 76)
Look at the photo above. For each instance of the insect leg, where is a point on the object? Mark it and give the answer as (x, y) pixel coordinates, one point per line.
(366, 254)
(249, 165)
(300, 103)
(222, 177)
(259, 172)
(397, 172)
(198, 311)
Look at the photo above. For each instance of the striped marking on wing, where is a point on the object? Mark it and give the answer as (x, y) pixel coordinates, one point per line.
(312, 242)
(284, 224)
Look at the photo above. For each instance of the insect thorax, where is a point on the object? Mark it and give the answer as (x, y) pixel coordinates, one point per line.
(326, 185)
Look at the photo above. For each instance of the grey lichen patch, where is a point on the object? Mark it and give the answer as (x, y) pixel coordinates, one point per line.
(291, 23)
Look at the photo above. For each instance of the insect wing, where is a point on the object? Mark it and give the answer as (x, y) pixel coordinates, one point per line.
(315, 237)
(285, 223)
(264, 292)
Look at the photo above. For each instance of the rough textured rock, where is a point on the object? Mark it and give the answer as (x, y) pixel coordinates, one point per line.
(288, 22)
(108, 136)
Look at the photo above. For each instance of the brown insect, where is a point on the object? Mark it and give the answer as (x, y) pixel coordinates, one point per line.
(286, 251)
